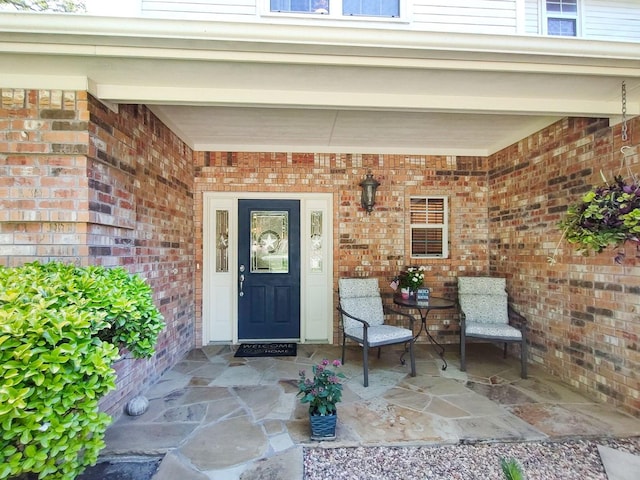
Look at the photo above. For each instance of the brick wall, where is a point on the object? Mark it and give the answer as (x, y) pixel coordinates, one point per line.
(82, 184)
(368, 245)
(583, 311)
(140, 178)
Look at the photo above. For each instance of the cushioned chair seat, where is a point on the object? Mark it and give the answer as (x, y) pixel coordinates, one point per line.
(380, 335)
(477, 329)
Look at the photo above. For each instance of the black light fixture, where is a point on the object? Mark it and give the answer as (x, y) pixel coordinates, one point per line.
(369, 186)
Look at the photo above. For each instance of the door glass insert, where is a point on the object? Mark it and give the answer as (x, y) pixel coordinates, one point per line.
(269, 242)
(222, 240)
(315, 255)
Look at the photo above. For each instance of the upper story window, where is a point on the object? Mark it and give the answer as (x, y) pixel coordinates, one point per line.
(372, 8)
(342, 8)
(300, 6)
(429, 227)
(562, 17)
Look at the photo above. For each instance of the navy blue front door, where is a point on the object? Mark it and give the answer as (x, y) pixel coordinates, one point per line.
(268, 269)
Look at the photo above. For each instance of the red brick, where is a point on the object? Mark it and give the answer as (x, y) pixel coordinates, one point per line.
(500, 224)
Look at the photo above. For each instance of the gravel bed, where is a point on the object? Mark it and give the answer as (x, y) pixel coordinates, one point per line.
(567, 460)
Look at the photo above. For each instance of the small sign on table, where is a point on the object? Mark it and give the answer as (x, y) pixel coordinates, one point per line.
(422, 295)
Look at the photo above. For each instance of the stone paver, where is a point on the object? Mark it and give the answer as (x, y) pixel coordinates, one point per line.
(173, 467)
(558, 422)
(617, 423)
(434, 385)
(619, 465)
(442, 408)
(192, 395)
(145, 439)
(223, 409)
(238, 375)
(225, 444)
(281, 442)
(266, 401)
(287, 465)
(408, 398)
(476, 405)
(376, 424)
(496, 428)
(218, 417)
(503, 394)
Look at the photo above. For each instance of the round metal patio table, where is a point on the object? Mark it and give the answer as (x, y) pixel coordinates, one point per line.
(434, 303)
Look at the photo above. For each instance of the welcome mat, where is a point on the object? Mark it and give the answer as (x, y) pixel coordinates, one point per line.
(267, 350)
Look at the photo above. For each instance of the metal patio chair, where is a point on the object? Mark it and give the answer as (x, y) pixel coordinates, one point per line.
(485, 314)
(362, 320)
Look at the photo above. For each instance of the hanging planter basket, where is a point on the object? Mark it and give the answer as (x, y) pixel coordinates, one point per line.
(607, 215)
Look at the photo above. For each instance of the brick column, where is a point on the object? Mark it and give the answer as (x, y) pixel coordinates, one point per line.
(43, 179)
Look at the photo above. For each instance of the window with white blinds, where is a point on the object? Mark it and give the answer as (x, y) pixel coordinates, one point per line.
(429, 227)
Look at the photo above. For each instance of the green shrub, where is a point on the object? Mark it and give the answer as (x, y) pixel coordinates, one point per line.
(56, 324)
(127, 300)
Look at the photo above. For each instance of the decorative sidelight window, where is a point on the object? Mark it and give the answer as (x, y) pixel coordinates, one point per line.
(429, 227)
(316, 245)
(222, 240)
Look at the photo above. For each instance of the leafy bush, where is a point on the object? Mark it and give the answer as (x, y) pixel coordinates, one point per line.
(127, 300)
(56, 324)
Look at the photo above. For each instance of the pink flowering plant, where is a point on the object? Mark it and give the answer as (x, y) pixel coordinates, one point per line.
(324, 390)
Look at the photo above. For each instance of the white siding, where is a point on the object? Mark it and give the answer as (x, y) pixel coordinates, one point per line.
(532, 17)
(608, 20)
(599, 19)
(197, 10)
(469, 16)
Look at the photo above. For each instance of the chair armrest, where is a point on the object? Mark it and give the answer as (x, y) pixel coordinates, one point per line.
(364, 323)
(515, 317)
(391, 311)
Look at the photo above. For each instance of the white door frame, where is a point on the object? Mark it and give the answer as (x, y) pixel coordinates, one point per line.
(220, 288)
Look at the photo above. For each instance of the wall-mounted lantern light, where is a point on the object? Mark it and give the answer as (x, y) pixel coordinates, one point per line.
(369, 186)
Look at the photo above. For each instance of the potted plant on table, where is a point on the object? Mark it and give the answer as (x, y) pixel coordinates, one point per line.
(322, 393)
(411, 279)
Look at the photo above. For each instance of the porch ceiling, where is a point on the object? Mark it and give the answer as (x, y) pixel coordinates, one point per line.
(259, 87)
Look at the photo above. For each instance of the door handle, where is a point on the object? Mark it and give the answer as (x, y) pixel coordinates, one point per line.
(241, 278)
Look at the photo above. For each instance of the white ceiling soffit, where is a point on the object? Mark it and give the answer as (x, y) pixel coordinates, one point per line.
(261, 87)
(366, 131)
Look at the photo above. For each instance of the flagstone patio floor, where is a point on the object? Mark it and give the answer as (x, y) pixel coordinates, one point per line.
(217, 417)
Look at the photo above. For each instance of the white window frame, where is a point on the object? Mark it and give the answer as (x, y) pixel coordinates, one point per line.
(442, 226)
(546, 15)
(335, 13)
